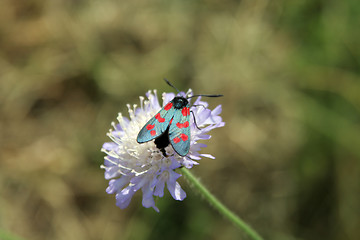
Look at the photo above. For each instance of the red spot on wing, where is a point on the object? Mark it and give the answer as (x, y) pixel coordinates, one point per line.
(182, 125)
(176, 140)
(185, 111)
(184, 137)
(168, 106)
(171, 121)
(149, 127)
(152, 132)
(159, 118)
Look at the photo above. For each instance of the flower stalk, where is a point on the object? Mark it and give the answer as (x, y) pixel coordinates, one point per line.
(219, 206)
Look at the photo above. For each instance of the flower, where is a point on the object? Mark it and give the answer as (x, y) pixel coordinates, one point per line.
(130, 166)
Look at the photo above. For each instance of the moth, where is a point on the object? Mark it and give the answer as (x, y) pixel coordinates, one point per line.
(171, 125)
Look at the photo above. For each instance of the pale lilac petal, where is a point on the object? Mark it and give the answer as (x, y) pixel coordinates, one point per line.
(202, 137)
(148, 199)
(174, 163)
(213, 120)
(207, 156)
(112, 172)
(159, 188)
(194, 156)
(116, 185)
(123, 198)
(174, 187)
(203, 117)
(197, 101)
(188, 163)
(139, 182)
(217, 110)
(182, 94)
(118, 127)
(110, 161)
(167, 97)
(197, 147)
(200, 104)
(108, 146)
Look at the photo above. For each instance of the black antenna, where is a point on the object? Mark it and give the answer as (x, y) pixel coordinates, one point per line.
(167, 81)
(206, 95)
(198, 95)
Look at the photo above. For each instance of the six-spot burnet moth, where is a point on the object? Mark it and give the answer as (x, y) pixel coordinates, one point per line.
(171, 125)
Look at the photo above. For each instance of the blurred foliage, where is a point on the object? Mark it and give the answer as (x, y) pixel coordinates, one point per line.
(287, 160)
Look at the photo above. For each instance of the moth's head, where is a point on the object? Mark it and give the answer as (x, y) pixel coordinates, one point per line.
(180, 102)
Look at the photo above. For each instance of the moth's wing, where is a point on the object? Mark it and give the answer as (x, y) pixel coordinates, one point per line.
(156, 125)
(179, 131)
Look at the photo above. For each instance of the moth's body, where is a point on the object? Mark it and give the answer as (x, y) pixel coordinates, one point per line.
(162, 142)
(171, 125)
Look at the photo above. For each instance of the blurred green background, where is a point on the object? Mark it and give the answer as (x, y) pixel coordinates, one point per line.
(287, 160)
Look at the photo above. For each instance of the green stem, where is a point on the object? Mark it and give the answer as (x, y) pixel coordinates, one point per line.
(221, 207)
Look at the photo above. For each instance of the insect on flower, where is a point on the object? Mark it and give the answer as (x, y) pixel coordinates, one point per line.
(171, 125)
(148, 167)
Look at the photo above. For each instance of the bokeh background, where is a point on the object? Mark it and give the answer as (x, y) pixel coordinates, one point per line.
(287, 160)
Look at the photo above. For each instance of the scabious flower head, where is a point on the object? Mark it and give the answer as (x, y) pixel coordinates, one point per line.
(131, 166)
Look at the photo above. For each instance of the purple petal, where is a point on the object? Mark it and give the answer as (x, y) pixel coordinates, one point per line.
(174, 187)
(110, 161)
(202, 117)
(139, 182)
(188, 163)
(167, 97)
(217, 110)
(116, 185)
(108, 146)
(148, 199)
(208, 156)
(182, 94)
(159, 188)
(155, 100)
(210, 127)
(174, 163)
(194, 157)
(118, 134)
(202, 137)
(112, 172)
(197, 101)
(123, 198)
(197, 147)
